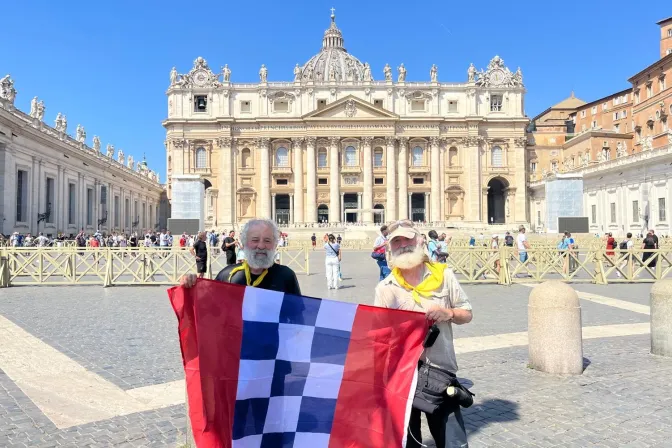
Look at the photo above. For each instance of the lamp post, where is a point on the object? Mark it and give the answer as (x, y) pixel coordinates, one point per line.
(43, 216)
(103, 220)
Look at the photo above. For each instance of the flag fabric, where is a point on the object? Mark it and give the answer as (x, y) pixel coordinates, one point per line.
(267, 369)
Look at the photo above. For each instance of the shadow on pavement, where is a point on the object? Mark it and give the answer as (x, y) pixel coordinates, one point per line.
(484, 413)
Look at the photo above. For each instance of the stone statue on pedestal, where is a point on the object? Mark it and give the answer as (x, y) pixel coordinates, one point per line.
(80, 134)
(7, 90)
(402, 73)
(40, 111)
(367, 72)
(130, 162)
(297, 73)
(96, 143)
(471, 73)
(263, 73)
(388, 72)
(109, 151)
(120, 156)
(33, 107)
(434, 73)
(226, 73)
(173, 77)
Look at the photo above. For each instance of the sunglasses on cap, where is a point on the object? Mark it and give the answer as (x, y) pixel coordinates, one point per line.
(401, 223)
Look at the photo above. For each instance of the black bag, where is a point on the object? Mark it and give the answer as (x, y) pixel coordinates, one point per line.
(623, 245)
(430, 392)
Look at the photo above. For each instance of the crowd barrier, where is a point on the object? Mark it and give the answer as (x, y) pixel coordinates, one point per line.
(143, 266)
(116, 266)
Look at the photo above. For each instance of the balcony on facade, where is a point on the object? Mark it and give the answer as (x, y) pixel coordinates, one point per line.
(345, 169)
(418, 169)
(246, 170)
(454, 169)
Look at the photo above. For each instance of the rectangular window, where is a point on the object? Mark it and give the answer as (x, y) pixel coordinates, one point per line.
(418, 181)
(613, 212)
(50, 199)
(662, 216)
(649, 90)
(669, 32)
(615, 116)
(322, 181)
(583, 114)
(127, 213)
(378, 181)
(496, 103)
(533, 167)
(378, 103)
(322, 158)
(116, 211)
(200, 103)
(593, 110)
(637, 97)
(142, 217)
(617, 127)
(418, 105)
(71, 203)
(593, 124)
(321, 104)
(605, 106)
(635, 211)
(103, 201)
(452, 106)
(89, 206)
(378, 159)
(593, 213)
(21, 196)
(136, 216)
(538, 217)
(245, 107)
(281, 106)
(151, 216)
(281, 181)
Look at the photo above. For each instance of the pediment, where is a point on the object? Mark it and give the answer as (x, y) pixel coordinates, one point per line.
(351, 108)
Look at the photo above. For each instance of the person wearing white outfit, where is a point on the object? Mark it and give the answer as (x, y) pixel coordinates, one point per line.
(332, 261)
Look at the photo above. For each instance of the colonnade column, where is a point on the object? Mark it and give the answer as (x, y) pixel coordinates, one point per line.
(273, 206)
(334, 180)
(442, 183)
(367, 215)
(224, 215)
(391, 200)
(292, 214)
(403, 177)
(342, 207)
(359, 206)
(311, 181)
(262, 144)
(297, 208)
(436, 180)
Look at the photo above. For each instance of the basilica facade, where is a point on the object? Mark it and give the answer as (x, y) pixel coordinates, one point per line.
(336, 145)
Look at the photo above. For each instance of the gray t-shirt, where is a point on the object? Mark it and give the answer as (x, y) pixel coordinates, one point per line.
(332, 249)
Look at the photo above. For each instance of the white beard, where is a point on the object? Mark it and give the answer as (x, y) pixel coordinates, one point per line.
(408, 260)
(260, 259)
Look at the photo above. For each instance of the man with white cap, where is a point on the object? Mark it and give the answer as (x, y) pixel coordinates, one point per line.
(417, 284)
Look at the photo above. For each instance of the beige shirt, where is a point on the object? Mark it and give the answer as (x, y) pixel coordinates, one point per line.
(389, 294)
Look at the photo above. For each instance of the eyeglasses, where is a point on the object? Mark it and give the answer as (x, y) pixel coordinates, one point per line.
(401, 223)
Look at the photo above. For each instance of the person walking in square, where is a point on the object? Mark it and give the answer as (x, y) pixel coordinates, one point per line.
(332, 261)
(200, 251)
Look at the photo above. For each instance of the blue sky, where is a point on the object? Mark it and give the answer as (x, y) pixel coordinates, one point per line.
(106, 64)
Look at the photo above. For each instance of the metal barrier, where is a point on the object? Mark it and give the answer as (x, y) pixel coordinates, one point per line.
(154, 266)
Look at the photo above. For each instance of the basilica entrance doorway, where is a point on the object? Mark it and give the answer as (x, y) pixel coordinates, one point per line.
(282, 208)
(350, 205)
(323, 213)
(379, 214)
(497, 200)
(418, 207)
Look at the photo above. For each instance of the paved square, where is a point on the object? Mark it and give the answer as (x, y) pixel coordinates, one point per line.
(59, 341)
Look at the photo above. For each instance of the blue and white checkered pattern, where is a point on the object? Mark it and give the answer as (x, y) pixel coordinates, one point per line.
(291, 367)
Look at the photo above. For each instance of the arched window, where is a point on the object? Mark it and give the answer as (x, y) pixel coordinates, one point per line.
(246, 156)
(282, 157)
(201, 158)
(378, 157)
(350, 156)
(417, 156)
(452, 157)
(322, 158)
(496, 159)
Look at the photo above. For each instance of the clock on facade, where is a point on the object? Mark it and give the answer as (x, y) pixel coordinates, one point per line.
(497, 77)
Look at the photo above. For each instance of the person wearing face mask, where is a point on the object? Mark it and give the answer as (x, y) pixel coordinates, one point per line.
(259, 239)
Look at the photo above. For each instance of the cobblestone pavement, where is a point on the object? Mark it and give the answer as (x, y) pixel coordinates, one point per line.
(127, 335)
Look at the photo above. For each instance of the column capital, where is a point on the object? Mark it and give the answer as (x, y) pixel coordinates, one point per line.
(291, 195)
(403, 141)
(262, 141)
(310, 141)
(273, 194)
(334, 141)
(297, 142)
(366, 141)
(434, 141)
(359, 193)
(389, 140)
(224, 142)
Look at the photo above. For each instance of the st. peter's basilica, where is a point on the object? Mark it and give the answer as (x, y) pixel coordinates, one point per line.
(336, 145)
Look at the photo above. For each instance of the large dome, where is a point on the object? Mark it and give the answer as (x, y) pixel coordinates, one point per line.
(333, 62)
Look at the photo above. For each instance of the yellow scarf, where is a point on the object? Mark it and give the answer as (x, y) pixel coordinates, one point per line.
(248, 276)
(430, 284)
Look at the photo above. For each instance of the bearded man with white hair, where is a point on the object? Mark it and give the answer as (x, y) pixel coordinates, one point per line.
(259, 238)
(418, 284)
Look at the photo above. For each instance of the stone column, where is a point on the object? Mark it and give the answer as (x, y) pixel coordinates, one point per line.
(262, 145)
(273, 206)
(436, 180)
(292, 215)
(403, 177)
(224, 216)
(367, 215)
(410, 206)
(427, 206)
(311, 178)
(359, 207)
(391, 199)
(661, 318)
(342, 207)
(297, 208)
(442, 184)
(554, 329)
(334, 180)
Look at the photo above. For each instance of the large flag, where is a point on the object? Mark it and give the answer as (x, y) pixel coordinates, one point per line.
(267, 369)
